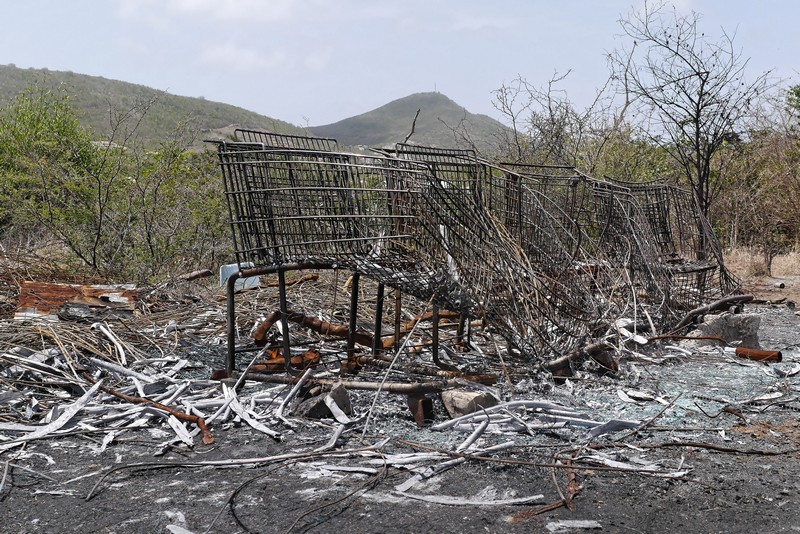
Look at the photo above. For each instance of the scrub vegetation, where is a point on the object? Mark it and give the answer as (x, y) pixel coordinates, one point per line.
(114, 179)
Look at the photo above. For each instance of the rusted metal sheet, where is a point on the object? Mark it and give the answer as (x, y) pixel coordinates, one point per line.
(40, 299)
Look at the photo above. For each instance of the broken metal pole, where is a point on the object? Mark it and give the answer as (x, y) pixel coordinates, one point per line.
(376, 340)
(230, 358)
(351, 329)
(284, 307)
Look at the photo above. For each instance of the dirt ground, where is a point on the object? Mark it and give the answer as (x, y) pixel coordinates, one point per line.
(735, 462)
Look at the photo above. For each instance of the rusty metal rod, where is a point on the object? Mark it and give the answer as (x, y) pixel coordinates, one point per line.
(403, 388)
(759, 355)
(208, 438)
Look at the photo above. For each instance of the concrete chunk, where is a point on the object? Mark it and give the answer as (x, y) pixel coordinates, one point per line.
(733, 328)
(458, 403)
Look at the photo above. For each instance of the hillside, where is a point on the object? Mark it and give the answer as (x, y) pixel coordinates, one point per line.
(392, 122)
(94, 96)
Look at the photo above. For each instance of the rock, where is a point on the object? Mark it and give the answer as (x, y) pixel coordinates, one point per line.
(342, 398)
(458, 403)
(315, 407)
(741, 328)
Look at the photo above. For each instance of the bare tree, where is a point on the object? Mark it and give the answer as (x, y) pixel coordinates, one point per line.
(547, 127)
(689, 91)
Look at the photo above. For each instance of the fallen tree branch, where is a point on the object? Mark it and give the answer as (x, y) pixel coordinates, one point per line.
(600, 352)
(718, 305)
(194, 275)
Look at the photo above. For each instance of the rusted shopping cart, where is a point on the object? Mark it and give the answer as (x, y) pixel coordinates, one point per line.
(302, 208)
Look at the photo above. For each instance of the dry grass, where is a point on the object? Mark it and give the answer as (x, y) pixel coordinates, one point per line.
(786, 265)
(748, 263)
(745, 263)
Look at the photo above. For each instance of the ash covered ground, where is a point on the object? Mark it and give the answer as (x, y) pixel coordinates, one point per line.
(716, 451)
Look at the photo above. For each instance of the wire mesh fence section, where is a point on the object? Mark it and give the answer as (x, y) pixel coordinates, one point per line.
(511, 257)
(495, 279)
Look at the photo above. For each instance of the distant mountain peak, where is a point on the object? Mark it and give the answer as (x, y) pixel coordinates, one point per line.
(391, 123)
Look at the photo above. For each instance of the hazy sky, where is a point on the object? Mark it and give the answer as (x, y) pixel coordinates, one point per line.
(313, 62)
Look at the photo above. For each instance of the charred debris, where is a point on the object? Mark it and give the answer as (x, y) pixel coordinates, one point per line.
(476, 295)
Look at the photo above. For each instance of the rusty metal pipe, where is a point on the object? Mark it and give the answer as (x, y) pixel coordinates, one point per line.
(759, 355)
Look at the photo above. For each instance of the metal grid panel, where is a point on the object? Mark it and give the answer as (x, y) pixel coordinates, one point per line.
(274, 140)
(537, 313)
(686, 244)
(329, 210)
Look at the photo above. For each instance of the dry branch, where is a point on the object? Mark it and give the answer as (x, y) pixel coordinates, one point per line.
(299, 280)
(718, 305)
(208, 439)
(600, 352)
(194, 275)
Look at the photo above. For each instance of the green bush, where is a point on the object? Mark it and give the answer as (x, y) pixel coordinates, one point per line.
(124, 210)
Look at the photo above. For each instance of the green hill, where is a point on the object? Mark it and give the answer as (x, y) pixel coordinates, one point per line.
(93, 97)
(438, 118)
